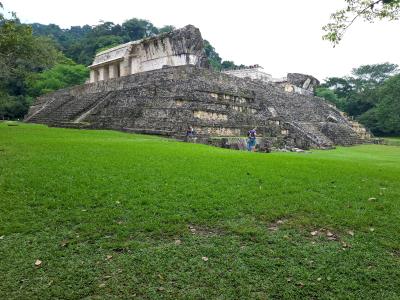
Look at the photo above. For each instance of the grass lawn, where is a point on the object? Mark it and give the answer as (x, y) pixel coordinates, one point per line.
(392, 141)
(115, 216)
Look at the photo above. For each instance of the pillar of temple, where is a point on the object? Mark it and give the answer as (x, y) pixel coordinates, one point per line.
(106, 74)
(113, 71)
(101, 73)
(124, 68)
(93, 77)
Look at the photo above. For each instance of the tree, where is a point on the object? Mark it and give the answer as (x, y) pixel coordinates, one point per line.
(341, 86)
(62, 75)
(213, 57)
(371, 95)
(228, 64)
(137, 29)
(20, 55)
(369, 10)
(384, 119)
(166, 28)
(330, 96)
(377, 73)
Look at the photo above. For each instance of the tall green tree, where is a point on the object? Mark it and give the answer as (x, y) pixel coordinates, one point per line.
(21, 54)
(330, 95)
(137, 29)
(213, 57)
(384, 118)
(371, 95)
(62, 75)
(166, 28)
(376, 73)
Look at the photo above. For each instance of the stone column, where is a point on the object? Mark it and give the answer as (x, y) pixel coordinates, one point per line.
(106, 74)
(101, 73)
(123, 68)
(113, 71)
(93, 76)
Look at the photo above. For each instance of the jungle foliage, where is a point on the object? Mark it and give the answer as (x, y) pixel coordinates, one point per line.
(371, 95)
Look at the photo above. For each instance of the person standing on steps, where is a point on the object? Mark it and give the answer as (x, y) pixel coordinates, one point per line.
(190, 134)
(251, 139)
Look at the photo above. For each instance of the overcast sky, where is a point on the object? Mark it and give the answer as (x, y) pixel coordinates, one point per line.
(280, 35)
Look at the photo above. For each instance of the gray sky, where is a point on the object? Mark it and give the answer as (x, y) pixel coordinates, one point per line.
(280, 35)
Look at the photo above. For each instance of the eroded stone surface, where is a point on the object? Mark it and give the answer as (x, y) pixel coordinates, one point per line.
(168, 100)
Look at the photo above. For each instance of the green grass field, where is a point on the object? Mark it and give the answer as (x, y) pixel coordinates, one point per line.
(392, 141)
(120, 216)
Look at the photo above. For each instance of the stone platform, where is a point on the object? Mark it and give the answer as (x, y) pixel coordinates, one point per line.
(168, 100)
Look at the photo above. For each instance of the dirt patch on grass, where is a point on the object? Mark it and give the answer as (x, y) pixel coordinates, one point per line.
(204, 231)
(330, 235)
(396, 253)
(322, 232)
(274, 226)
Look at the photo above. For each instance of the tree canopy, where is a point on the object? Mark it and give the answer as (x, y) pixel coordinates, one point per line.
(368, 10)
(370, 95)
(21, 54)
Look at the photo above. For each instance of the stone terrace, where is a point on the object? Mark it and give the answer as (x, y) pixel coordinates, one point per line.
(166, 101)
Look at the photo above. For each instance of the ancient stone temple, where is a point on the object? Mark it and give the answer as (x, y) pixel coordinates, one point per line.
(171, 88)
(180, 47)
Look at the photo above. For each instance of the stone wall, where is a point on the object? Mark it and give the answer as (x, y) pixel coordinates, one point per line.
(168, 100)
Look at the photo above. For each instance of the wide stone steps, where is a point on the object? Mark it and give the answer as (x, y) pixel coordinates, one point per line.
(318, 136)
(312, 133)
(66, 111)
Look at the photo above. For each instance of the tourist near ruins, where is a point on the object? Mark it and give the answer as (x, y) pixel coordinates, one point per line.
(163, 84)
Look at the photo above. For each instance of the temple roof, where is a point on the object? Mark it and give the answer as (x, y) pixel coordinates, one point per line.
(113, 54)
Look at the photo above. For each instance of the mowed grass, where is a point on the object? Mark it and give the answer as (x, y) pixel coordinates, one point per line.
(120, 216)
(392, 141)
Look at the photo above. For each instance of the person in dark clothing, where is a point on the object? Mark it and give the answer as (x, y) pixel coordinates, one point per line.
(251, 139)
(190, 131)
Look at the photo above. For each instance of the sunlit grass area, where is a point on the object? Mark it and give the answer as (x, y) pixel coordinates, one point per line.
(109, 215)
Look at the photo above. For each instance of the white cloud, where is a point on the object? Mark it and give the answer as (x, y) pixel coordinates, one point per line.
(282, 36)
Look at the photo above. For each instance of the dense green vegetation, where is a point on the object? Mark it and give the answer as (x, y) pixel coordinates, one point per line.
(112, 215)
(371, 95)
(30, 66)
(59, 76)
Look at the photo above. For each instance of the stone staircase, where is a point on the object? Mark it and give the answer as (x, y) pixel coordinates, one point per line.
(58, 112)
(362, 132)
(341, 134)
(310, 132)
